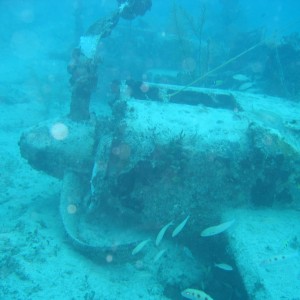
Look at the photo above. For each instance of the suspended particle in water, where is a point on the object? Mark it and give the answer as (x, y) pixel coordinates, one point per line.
(139, 264)
(257, 67)
(122, 151)
(163, 34)
(236, 110)
(267, 140)
(109, 258)
(59, 131)
(101, 165)
(144, 87)
(189, 64)
(72, 209)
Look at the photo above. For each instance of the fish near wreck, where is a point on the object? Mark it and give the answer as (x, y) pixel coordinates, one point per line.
(178, 229)
(195, 294)
(159, 255)
(140, 246)
(210, 231)
(223, 266)
(162, 233)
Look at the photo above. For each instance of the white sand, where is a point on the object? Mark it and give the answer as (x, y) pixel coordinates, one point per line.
(259, 235)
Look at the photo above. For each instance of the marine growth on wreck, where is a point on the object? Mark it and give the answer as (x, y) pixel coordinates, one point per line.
(150, 150)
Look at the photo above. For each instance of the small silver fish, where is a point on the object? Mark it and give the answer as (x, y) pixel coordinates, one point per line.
(224, 267)
(194, 294)
(245, 86)
(188, 253)
(159, 255)
(240, 77)
(140, 246)
(180, 227)
(162, 233)
(216, 229)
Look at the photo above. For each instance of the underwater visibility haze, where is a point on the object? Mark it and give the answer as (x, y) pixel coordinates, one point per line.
(150, 150)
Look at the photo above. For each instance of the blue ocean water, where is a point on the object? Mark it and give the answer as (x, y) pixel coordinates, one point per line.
(149, 149)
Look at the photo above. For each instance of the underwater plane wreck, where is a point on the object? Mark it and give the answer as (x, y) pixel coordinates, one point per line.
(179, 151)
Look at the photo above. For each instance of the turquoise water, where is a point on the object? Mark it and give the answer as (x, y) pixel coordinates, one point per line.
(149, 149)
